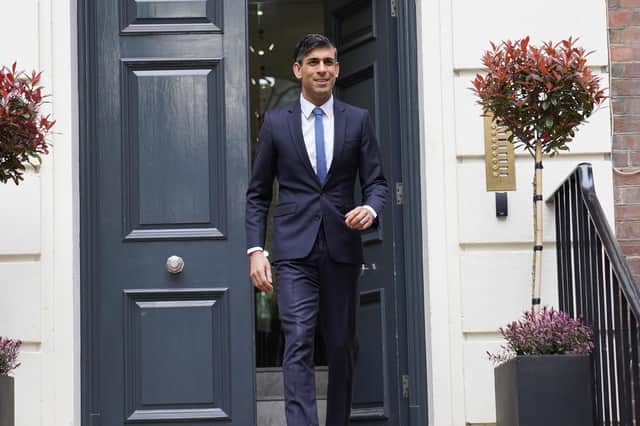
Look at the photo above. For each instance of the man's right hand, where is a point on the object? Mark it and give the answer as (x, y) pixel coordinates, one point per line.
(260, 271)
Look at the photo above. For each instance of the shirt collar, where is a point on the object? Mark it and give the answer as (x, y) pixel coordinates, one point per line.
(307, 107)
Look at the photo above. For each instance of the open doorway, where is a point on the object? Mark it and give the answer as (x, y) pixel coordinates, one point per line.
(274, 29)
(365, 34)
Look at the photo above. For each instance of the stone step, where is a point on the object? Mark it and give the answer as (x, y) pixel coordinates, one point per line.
(271, 413)
(270, 398)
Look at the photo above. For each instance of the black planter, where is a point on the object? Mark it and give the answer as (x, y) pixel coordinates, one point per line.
(549, 390)
(6, 401)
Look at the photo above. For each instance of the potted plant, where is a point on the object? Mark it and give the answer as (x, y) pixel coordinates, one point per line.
(541, 94)
(9, 350)
(543, 373)
(23, 128)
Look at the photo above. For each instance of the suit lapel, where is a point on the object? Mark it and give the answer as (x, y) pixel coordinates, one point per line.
(295, 129)
(339, 129)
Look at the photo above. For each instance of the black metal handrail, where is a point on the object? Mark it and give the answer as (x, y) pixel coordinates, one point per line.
(596, 285)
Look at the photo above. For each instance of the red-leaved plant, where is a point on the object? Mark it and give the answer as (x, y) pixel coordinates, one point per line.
(541, 94)
(544, 332)
(23, 129)
(9, 350)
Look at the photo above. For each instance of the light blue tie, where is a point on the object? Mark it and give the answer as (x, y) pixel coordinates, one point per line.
(321, 160)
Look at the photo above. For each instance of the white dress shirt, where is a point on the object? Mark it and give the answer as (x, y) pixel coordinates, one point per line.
(309, 130)
(309, 135)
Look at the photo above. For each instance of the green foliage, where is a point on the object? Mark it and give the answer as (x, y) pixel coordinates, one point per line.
(23, 129)
(539, 93)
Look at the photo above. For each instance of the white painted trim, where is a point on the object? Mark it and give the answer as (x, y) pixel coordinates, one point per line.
(60, 218)
(442, 298)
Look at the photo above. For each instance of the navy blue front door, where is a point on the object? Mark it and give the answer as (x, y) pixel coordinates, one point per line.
(167, 304)
(365, 33)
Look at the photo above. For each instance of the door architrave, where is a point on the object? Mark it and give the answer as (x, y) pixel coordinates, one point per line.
(88, 203)
(412, 210)
(412, 214)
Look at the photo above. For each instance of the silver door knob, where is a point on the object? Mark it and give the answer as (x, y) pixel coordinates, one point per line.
(175, 264)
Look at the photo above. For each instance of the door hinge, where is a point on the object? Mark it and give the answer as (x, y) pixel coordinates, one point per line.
(399, 193)
(394, 8)
(405, 386)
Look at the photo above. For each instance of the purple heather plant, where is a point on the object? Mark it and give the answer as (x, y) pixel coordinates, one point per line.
(9, 349)
(547, 332)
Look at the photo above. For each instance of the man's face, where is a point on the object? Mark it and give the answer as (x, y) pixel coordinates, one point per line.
(318, 73)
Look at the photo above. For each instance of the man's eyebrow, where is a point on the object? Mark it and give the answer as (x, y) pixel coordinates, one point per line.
(317, 58)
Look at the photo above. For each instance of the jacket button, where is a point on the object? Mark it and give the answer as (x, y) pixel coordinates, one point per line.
(316, 217)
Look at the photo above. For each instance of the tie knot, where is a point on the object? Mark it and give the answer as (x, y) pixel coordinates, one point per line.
(318, 112)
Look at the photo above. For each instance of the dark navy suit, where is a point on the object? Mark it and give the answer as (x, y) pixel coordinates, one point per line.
(316, 256)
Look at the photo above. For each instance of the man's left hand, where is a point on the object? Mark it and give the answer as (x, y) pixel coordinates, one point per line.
(359, 219)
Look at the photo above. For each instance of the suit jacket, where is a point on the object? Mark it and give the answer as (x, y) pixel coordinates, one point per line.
(303, 202)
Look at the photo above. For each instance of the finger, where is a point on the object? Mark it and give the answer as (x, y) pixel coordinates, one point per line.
(353, 212)
(268, 272)
(349, 215)
(256, 283)
(354, 217)
(358, 220)
(348, 221)
(263, 284)
(368, 221)
(261, 277)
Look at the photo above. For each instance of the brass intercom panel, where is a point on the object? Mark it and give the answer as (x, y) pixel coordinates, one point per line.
(499, 157)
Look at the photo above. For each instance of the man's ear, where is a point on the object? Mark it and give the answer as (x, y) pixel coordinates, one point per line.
(297, 70)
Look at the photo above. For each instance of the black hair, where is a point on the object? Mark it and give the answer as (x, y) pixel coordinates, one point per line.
(310, 42)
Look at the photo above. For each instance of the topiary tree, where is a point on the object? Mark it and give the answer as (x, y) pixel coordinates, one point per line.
(541, 94)
(23, 129)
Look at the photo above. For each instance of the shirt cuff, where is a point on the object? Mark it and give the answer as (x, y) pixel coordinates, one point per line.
(373, 212)
(254, 249)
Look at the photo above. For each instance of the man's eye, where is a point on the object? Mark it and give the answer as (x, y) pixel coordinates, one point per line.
(313, 63)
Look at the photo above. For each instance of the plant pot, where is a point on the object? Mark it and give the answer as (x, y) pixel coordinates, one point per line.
(549, 390)
(7, 401)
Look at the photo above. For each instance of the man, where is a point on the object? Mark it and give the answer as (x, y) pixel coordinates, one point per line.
(315, 148)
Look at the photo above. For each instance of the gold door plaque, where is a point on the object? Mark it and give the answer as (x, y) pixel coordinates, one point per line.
(499, 157)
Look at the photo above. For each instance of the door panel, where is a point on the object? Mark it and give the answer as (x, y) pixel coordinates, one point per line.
(158, 328)
(171, 155)
(364, 33)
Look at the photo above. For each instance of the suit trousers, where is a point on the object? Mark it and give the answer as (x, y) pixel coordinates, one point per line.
(316, 290)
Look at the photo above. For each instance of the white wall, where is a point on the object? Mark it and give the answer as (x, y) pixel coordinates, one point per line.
(478, 266)
(38, 232)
